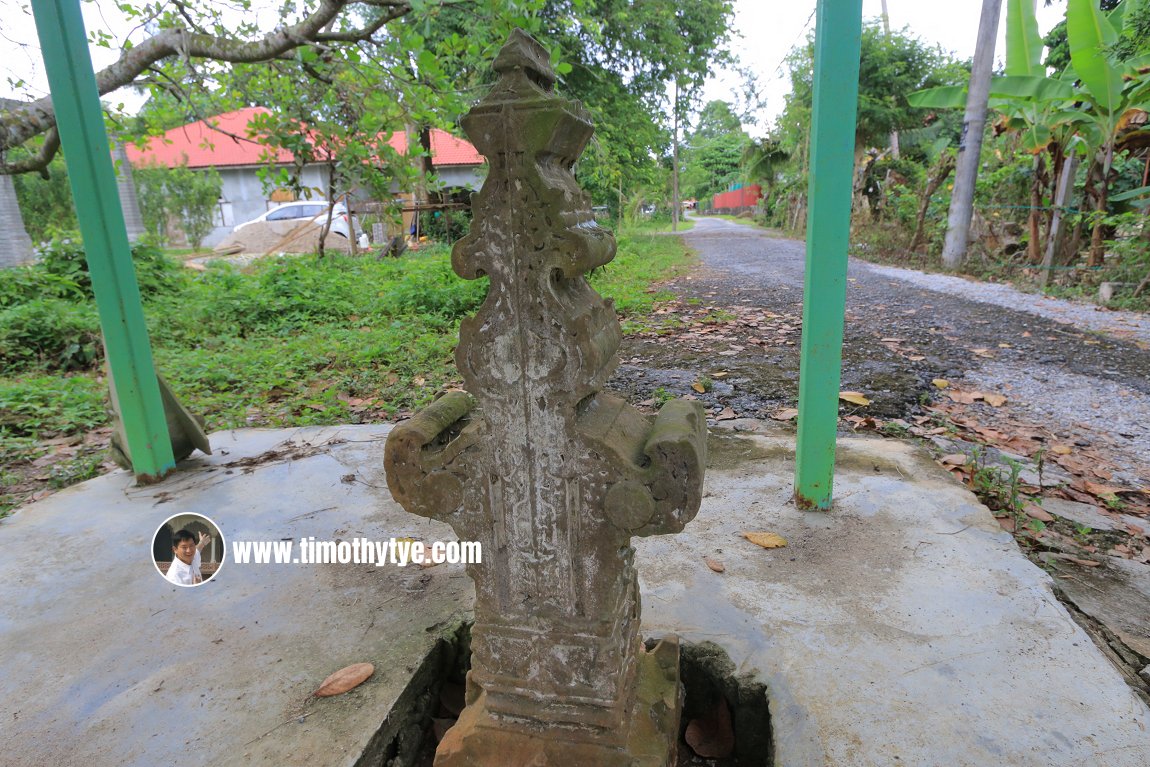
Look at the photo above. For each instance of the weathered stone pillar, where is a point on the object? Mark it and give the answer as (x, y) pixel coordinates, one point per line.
(550, 474)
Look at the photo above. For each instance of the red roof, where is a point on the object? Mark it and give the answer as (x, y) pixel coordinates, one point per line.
(227, 140)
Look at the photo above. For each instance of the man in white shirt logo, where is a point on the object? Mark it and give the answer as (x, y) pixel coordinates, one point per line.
(185, 568)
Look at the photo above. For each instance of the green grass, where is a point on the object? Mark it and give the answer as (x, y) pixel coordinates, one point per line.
(299, 341)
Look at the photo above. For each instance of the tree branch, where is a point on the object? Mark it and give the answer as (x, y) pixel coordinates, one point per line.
(21, 123)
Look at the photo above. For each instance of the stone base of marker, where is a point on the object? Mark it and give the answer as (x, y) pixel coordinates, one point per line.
(651, 739)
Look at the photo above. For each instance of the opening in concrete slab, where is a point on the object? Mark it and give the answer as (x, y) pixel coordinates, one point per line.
(725, 722)
(407, 738)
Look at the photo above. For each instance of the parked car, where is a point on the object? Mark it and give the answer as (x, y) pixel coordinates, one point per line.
(316, 210)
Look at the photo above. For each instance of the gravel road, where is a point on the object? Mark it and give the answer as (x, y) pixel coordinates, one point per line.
(1078, 371)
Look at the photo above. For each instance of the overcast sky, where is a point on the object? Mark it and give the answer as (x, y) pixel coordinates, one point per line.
(769, 29)
(765, 31)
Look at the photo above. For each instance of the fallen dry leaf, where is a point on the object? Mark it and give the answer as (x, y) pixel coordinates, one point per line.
(940, 383)
(715, 565)
(786, 414)
(345, 679)
(1034, 511)
(983, 352)
(712, 736)
(1061, 449)
(953, 459)
(1102, 491)
(1007, 523)
(699, 387)
(726, 414)
(994, 400)
(854, 397)
(766, 540)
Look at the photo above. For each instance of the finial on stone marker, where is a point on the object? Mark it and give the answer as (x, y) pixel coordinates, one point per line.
(551, 474)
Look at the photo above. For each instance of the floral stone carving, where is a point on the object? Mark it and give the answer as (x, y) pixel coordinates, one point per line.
(552, 475)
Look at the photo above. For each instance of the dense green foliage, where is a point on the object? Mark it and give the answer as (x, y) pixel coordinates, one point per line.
(188, 197)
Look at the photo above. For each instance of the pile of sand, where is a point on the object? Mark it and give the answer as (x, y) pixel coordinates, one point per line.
(267, 237)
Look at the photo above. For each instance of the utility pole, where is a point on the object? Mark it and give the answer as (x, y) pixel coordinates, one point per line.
(970, 146)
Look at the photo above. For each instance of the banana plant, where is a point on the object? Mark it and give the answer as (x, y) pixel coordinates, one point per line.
(1113, 90)
(1054, 112)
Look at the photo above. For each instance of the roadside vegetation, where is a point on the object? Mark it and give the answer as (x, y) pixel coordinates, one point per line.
(283, 342)
(1082, 112)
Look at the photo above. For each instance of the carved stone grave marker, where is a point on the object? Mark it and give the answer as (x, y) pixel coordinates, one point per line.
(552, 475)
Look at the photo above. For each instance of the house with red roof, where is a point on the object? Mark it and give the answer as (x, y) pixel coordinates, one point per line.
(229, 144)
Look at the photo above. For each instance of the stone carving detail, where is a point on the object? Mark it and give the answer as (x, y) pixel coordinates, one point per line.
(550, 474)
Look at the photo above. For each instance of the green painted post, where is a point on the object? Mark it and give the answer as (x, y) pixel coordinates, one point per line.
(80, 121)
(838, 40)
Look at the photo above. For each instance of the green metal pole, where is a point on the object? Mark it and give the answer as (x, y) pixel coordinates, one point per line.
(80, 122)
(838, 41)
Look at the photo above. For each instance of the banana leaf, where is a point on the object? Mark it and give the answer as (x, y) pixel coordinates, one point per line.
(1023, 43)
(1133, 194)
(942, 97)
(1035, 88)
(1090, 34)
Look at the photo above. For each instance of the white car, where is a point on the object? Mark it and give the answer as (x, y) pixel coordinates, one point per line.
(316, 210)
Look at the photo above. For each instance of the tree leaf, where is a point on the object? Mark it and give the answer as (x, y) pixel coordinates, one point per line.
(715, 565)
(786, 414)
(766, 540)
(345, 679)
(854, 397)
(940, 383)
(994, 400)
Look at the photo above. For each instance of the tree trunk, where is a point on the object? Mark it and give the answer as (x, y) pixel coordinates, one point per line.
(1034, 247)
(15, 244)
(945, 167)
(970, 147)
(1096, 243)
(1061, 198)
(129, 203)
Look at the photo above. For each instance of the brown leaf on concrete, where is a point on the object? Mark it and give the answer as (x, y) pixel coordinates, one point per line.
(715, 565)
(766, 540)
(994, 400)
(727, 414)
(345, 679)
(953, 459)
(712, 736)
(1102, 491)
(854, 397)
(964, 397)
(1034, 511)
(1007, 523)
(786, 414)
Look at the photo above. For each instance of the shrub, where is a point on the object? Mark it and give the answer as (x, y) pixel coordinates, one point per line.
(50, 334)
(44, 406)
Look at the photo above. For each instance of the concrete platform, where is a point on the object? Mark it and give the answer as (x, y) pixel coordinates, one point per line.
(902, 628)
